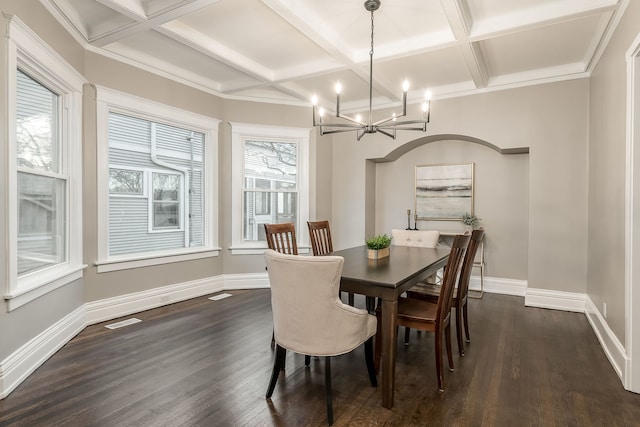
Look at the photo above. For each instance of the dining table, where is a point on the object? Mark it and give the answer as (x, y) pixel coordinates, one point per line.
(387, 278)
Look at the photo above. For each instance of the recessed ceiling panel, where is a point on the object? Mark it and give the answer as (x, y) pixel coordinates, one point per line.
(544, 47)
(425, 71)
(251, 29)
(98, 19)
(175, 58)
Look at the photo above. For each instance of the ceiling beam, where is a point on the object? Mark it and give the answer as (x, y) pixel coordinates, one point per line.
(144, 22)
(458, 18)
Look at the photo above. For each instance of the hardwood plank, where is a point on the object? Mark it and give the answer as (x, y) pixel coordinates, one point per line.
(208, 363)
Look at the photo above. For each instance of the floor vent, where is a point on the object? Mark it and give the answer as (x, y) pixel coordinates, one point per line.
(219, 297)
(123, 323)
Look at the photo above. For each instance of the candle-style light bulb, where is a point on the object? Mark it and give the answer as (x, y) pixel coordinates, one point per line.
(427, 95)
(314, 100)
(405, 85)
(338, 88)
(321, 112)
(393, 117)
(358, 118)
(425, 107)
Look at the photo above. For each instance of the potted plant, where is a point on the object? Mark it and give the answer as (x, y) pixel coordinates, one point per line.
(378, 246)
(470, 220)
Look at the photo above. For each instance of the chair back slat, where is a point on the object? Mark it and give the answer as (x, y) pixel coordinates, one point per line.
(467, 265)
(320, 234)
(282, 238)
(454, 263)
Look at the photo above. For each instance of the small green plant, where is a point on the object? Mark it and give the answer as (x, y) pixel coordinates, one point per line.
(471, 220)
(378, 242)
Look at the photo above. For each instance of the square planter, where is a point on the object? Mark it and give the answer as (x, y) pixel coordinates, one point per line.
(378, 253)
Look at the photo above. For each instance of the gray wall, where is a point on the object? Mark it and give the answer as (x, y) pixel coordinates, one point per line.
(550, 119)
(19, 326)
(607, 156)
(501, 199)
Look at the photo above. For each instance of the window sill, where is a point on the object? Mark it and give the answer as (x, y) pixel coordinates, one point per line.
(155, 259)
(23, 296)
(259, 250)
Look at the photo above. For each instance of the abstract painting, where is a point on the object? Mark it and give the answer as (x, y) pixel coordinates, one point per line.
(444, 192)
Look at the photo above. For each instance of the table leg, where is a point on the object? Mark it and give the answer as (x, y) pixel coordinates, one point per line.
(388, 362)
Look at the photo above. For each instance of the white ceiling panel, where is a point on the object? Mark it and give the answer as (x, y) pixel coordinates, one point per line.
(286, 50)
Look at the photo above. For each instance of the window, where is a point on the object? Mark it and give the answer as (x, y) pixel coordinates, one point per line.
(270, 183)
(167, 199)
(44, 169)
(160, 196)
(126, 182)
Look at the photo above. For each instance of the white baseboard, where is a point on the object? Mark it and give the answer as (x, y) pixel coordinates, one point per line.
(123, 305)
(608, 341)
(496, 285)
(555, 300)
(22, 362)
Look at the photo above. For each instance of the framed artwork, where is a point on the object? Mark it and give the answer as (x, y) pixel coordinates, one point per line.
(444, 192)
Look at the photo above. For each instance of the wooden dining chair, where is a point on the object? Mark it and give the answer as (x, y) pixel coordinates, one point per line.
(309, 318)
(282, 238)
(425, 315)
(431, 291)
(321, 243)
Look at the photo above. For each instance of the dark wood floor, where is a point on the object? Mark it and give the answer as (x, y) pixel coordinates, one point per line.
(207, 363)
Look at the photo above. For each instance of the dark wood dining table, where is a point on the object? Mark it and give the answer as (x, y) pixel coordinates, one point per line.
(387, 278)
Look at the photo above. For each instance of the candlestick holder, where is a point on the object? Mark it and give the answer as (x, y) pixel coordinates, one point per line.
(408, 220)
(415, 222)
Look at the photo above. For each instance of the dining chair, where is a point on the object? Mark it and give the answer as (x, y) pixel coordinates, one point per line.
(425, 315)
(419, 238)
(321, 243)
(431, 291)
(309, 317)
(282, 237)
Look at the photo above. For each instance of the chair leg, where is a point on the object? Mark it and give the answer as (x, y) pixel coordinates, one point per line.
(407, 332)
(278, 365)
(378, 345)
(447, 338)
(327, 385)
(466, 322)
(307, 360)
(368, 356)
(438, 338)
(459, 331)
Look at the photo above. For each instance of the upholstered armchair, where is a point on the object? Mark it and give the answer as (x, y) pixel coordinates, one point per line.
(309, 318)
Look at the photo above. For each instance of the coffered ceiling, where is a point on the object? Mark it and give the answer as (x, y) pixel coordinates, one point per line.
(287, 50)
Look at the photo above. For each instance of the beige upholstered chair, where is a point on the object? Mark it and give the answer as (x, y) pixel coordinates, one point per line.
(309, 317)
(421, 238)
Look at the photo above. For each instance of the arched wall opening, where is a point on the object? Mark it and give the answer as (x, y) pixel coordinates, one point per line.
(501, 195)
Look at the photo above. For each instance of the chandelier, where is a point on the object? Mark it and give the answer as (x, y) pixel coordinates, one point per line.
(387, 126)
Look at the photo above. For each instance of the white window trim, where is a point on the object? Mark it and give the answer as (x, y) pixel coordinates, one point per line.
(242, 131)
(26, 50)
(109, 100)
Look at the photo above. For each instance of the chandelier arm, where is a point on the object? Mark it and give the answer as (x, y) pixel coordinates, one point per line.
(343, 125)
(340, 116)
(384, 132)
(388, 119)
(327, 132)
